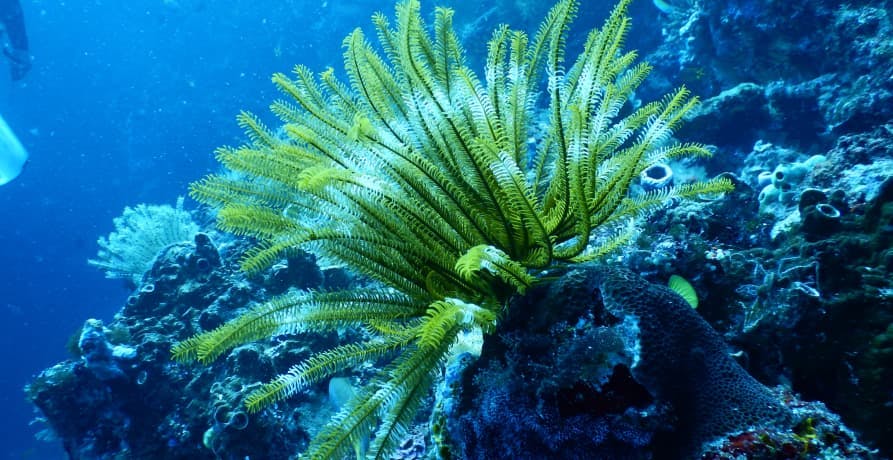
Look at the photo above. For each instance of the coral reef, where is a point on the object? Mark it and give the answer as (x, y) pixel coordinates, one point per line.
(101, 358)
(602, 364)
(801, 287)
(804, 291)
(123, 398)
(792, 270)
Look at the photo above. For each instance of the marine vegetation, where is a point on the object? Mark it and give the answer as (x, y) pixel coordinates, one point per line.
(140, 233)
(421, 175)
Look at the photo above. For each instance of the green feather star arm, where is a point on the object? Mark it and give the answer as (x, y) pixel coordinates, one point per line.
(305, 311)
(323, 365)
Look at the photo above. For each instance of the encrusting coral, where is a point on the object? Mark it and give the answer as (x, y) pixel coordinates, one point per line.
(418, 174)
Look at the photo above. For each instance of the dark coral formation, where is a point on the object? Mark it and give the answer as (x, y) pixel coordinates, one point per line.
(603, 364)
(124, 397)
(847, 329)
(554, 381)
(820, 57)
(809, 308)
(684, 361)
(799, 279)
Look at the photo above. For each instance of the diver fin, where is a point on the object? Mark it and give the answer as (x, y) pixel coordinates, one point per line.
(12, 154)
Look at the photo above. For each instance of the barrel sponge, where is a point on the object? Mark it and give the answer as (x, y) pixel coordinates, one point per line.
(684, 361)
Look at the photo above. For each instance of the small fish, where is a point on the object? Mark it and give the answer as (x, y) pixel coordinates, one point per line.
(12, 154)
(340, 392)
(681, 286)
(664, 6)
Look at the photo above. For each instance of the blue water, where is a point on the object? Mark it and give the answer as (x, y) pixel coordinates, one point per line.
(125, 103)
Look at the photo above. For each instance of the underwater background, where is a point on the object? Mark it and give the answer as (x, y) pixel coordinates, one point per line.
(125, 104)
(127, 101)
